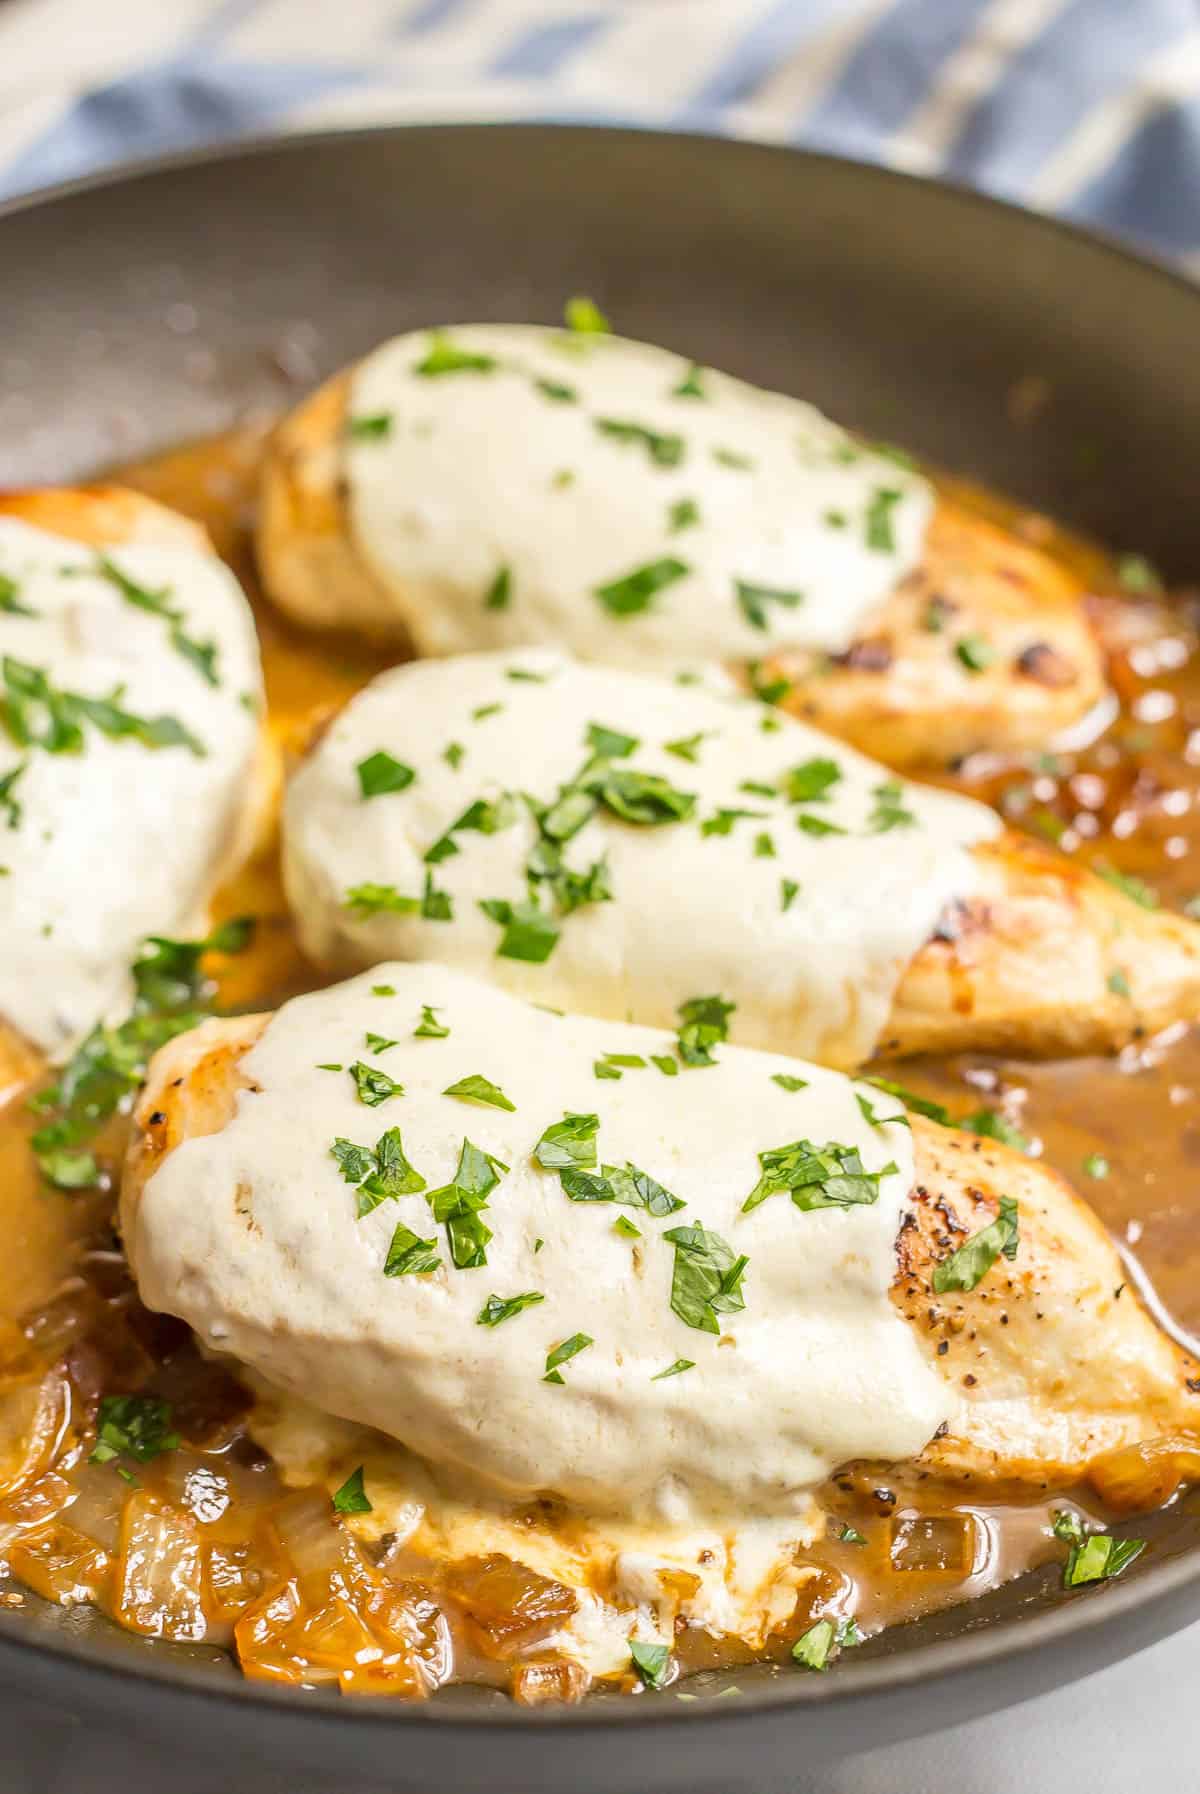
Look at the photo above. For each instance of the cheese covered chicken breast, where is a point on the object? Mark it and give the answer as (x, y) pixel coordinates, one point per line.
(132, 768)
(625, 847)
(501, 486)
(552, 1259)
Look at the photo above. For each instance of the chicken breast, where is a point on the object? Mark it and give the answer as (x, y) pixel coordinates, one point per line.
(616, 845)
(134, 771)
(508, 486)
(722, 1358)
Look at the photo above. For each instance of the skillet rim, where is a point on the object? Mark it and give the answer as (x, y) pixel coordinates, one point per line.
(948, 1661)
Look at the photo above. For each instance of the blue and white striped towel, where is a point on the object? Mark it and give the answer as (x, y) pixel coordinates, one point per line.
(1086, 107)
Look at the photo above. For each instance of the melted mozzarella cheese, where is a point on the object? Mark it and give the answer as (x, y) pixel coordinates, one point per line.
(807, 932)
(632, 1578)
(251, 1236)
(560, 466)
(114, 840)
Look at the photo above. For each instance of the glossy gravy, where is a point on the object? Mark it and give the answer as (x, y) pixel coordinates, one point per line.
(1126, 1132)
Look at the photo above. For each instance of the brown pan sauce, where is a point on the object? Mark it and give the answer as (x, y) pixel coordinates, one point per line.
(205, 1543)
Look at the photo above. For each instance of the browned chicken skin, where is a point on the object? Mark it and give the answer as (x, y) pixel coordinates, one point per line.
(912, 690)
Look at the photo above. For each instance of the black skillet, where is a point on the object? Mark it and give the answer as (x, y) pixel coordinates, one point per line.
(168, 303)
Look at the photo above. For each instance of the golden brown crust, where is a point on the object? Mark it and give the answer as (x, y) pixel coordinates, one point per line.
(1054, 1359)
(103, 517)
(902, 692)
(1047, 959)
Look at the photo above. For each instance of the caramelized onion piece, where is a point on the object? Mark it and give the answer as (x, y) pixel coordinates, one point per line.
(61, 1564)
(533, 1684)
(33, 1415)
(160, 1588)
(1138, 1478)
(508, 1606)
(236, 1575)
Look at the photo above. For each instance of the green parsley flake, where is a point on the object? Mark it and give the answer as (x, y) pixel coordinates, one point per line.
(457, 1205)
(674, 1370)
(569, 1143)
(482, 711)
(879, 519)
(754, 599)
(969, 1263)
(499, 593)
(787, 1081)
(687, 747)
(379, 773)
(1096, 1165)
(611, 744)
(828, 1176)
(669, 1067)
(351, 1498)
(651, 1661)
(201, 655)
(764, 846)
(683, 514)
(135, 1426)
(889, 811)
(1099, 1558)
(562, 1354)
(379, 1043)
(444, 357)
(850, 1535)
(990, 1124)
(373, 427)
(383, 990)
(704, 1023)
(813, 1648)
(583, 316)
(10, 603)
(722, 823)
(29, 690)
(430, 1028)
(975, 652)
(382, 1172)
(373, 1086)
(691, 386)
(635, 591)
(1134, 888)
(1138, 576)
(478, 1089)
(789, 890)
(8, 803)
(452, 754)
(727, 457)
(811, 781)
(530, 933)
(664, 450)
(503, 1308)
(555, 390)
(707, 1277)
(1118, 983)
(409, 1255)
(817, 825)
(625, 1227)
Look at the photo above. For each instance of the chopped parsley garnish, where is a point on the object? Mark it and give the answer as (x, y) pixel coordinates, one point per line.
(990, 1124)
(530, 933)
(380, 773)
(754, 599)
(1134, 888)
(669, 1067)
(502, 1308)
(499, 593)
(707, 1278)
(585, 1186)
(611, 744)
(813, 1648)
(134, 1426)
(889, 811)
(722, 823)
(674, 1370)
(637, 1189)
(351, 1498)
(703, 1024)
(373, 1086)
(920, 1105)
(850, 1535)
(478, 1089)
(379, 1043)
(829, 1176)
(687, 747)
(1099, 1558)
(975, 652)
(8, 803)
(556, 390)
(635, 591)
(879, 518)
(524, 676)
(811, 781)
(583, 316)
(969, 1263)
(562, 1354)
(1096, 1165)
(10, 603)
(443, 357)
(643, 797)
(691, 386)
(1118, 983)
(383, 990)
(651, 1661)
(764, 846)
(568, 1143)
(757, 788)
(429, 1028)
(787, 1081)
(664, 449)
(436, 906)
(28, 690)
(625, 1227)
(408, 1255)
(382, 1172)
(457, 1205)
(727, 457)
(482, 711)
(368, 900)
(375, 425)
(486, 816)
(789, 890)
(201, 655)
(683, 514)
(1138, 575)
(452, 754)
(817, 825)
(866, 1109)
